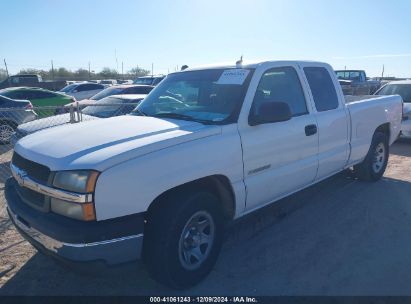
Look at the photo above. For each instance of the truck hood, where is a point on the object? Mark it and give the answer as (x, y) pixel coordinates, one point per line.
(103, 143)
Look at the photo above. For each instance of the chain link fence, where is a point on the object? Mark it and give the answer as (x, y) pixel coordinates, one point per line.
(16, 123)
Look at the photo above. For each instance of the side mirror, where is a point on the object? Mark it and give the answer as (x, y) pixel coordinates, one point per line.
(270, 112)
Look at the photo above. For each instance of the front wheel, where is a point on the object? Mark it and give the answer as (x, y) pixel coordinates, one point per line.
(375, 163)
(183, 237)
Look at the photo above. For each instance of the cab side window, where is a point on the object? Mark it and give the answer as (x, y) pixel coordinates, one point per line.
(281, 85)
(322, 88)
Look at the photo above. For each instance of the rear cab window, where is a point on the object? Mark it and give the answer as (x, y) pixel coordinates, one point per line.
(322, 88)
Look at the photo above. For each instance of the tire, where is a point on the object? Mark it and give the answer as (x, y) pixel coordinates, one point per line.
(6, 131)
(170, 246)
(375, 163)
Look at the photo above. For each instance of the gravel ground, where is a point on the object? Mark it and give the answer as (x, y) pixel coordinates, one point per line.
(339, 237)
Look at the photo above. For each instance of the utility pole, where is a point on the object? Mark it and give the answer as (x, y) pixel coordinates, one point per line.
(89, 73)
(115, 54)
(7, 70)
(122, 70)
(382, 74)
(52, 75)
(152, 69)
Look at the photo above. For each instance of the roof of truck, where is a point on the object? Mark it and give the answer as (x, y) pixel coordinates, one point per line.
(248, 64)
(349, 70)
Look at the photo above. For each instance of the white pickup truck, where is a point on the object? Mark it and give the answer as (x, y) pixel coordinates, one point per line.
(205, 147)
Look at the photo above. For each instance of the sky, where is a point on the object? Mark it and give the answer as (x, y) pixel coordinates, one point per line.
(168, 34)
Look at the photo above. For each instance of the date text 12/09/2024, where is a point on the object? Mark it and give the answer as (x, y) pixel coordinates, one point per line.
(237, 299)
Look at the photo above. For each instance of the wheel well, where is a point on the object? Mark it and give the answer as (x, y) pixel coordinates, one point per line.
(384, 128)
(219, 185)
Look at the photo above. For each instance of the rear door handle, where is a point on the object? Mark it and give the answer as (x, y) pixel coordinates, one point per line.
(310, 130)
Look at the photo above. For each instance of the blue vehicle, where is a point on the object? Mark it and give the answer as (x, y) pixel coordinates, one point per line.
(13, 112)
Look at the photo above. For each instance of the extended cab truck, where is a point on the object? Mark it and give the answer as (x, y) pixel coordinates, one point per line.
(205, 147)
(355, 82)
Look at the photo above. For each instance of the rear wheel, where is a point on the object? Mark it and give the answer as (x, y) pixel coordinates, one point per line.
(183, 237)
(375, 163)
(7, 129)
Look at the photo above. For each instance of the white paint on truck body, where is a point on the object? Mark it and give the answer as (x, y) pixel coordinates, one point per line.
(142, 157)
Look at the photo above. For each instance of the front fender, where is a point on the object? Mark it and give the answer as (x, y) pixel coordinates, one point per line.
(132, 186)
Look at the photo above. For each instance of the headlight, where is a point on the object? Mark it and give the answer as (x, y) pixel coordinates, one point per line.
(82, 181)
(83, 212)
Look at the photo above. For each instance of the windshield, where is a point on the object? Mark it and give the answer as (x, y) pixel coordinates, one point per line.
(105, 107)
(68, 88)
(207, 96)
(107, 92)
(404, 90)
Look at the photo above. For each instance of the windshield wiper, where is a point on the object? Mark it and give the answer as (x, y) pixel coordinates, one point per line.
(181, 116)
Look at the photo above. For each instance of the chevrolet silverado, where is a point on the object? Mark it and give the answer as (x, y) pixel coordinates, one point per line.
(206, 146)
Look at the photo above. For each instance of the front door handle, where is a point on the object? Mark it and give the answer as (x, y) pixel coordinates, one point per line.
(310, 130)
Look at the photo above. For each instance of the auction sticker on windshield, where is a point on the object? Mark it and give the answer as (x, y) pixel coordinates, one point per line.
(233, 76)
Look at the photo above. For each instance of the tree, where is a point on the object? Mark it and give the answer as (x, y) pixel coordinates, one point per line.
(137, 72)
(81, 74)
(62, 73)
(108, 73)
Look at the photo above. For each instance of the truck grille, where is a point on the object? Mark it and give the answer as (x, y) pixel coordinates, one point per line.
(34, 170)
(33, 198)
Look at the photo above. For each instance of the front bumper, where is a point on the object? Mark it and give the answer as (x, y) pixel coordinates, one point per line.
(112, 242)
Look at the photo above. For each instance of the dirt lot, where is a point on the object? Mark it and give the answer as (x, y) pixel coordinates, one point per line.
(340, 237)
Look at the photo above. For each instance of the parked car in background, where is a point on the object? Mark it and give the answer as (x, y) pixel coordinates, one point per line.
(82, 90)
(32, 80)
(38, 97)
(355, 82)
(114, 90)
(108, 82)
(149, 80)
(206, 147)
(402, 88)
(123, 89)
(13, 113)
(107, 107)
(124, 81)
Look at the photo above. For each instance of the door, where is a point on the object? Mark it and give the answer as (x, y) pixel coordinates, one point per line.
(279, 158)
(41, 98)
(332, 119)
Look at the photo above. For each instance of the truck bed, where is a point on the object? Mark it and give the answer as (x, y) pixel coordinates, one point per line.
(367, 113)
(352, 98)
